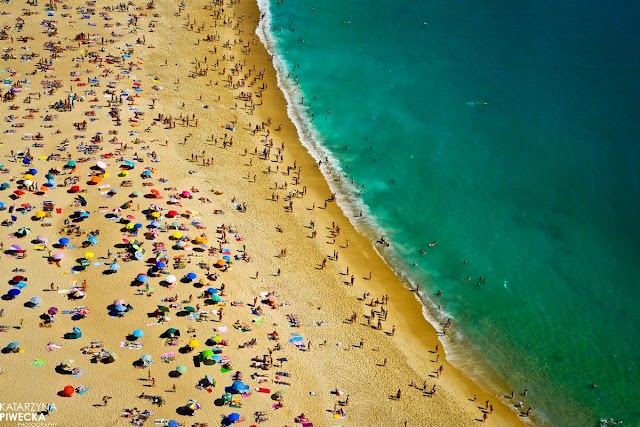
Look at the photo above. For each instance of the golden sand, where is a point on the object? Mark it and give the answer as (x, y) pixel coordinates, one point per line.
(180, 74)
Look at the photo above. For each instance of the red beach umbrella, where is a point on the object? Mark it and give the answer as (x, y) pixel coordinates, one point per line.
(68, 390)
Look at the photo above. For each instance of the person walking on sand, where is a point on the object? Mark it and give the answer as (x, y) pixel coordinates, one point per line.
(105, 400)
(398, 394)
(153, 382)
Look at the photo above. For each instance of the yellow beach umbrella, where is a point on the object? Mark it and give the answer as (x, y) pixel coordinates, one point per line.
(155, 214)
(27, 176)
(194, 343)
(41, 214)
(176, 235)
(89, 255)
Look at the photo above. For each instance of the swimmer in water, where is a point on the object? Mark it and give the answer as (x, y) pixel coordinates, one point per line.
(432, 244)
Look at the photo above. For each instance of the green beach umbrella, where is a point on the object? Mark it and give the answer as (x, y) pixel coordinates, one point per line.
(181, 369)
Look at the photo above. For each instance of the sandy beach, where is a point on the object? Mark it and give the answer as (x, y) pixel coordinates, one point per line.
(152, 180)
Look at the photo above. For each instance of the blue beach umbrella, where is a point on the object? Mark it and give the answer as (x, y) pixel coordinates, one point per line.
(212, 291)
(76, 330)
(36, 300)
(93, 240)
(191, 276)
(5, 185)
(173, 423)
(142, 278)
(120, 307)
(145, 357)
(138, 333)
(160, 264)
(26, 161)
(33, 171)
(63, 241)
(137, 226)
(114, 267)
(13, 345)
(21, 284)
(226, 258)
(14, 292)
(138, 255)
(233, 417)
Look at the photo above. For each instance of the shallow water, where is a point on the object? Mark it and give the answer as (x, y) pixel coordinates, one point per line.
(508, 134)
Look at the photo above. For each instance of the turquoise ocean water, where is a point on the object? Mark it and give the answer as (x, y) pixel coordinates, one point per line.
(509, 133)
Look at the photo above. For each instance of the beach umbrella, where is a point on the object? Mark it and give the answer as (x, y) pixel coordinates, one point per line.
(68, 390)
(233, 417)
(63, 241)
(119, 301)
(142, 278)
(146, 357)
(160, 264)
(239, 386)
(163, 308)
(78, 294)
(176, 235)
(138, 333)
(40, 214)
(117, 210)
(114, 267)
(42, 239)
(181, 369)
(216, 298)
(172, 213)
(173, 423)
(89, 255)
(58, 256)
(171, 331)
(206, 353)
(21, 284)
(13, 345)
(92, 239)
(185, 193)
(75, 188)
(170, 279)
(193, 405)
(138, 255)
(18, 278)
(52, 311)
(102, 165)
(190, 309)
(71, 163)
(216, 339)
(120, 308)
(194, 343)
(5, 185)
(14, 292)
(23, 231)
(36, 300)
(212, 291)
(221, 262)
(84, 311)
(76, 330)
(84, 214)
(191, 276)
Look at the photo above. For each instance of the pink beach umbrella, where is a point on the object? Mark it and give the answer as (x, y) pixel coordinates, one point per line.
(58, 256)
(101, 165)
(119, 301)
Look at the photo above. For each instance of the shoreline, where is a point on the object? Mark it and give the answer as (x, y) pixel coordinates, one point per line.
(351, 355)
(361, 224)
(317, 152)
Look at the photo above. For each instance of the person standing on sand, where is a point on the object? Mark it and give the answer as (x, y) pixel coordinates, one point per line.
(398, 394)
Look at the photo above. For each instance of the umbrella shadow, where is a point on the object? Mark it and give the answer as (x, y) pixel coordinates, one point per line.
(183, 410)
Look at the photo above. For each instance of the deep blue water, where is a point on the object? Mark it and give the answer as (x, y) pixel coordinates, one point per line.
(509, 133)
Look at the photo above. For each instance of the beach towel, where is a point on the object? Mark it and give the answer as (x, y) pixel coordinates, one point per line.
(296, 339)
(39, 362)
(81, 390)
(222, 329)
(78, 374)
(224, 370)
